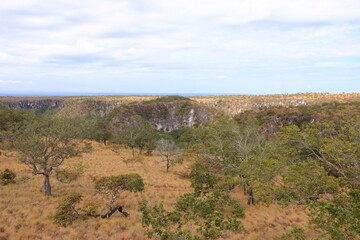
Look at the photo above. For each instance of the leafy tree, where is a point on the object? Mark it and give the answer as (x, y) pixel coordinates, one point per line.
(169, 152)
(112, 186)
(99, 129)
(45, 143)
(335, 146)
(340, 217)
(12, 119)
(70, 173)
(206, 213)
(64, 215)
(316, 165)
(225, 146)
(137, 133)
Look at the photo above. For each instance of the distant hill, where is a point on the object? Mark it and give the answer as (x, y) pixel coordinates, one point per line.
(231, 105)
(272, 119)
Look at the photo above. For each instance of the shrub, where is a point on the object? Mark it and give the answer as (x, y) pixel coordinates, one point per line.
(64, 215)
(7, 176)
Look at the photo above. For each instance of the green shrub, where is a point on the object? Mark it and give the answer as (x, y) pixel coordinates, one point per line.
(65, 214)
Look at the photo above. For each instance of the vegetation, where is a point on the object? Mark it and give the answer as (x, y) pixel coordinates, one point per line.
(98, 129)
(137, 133)
(7, 176)
(168, 99)
(112, 186)
(45, 143)
(305, 158)
(169, 152)
(206, 213)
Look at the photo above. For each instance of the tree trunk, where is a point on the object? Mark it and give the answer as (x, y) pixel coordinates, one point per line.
(112, 211)
(106, 215)
(47, 187)
(167, 165)
(104, 141)
(251, 198)
(133, 151)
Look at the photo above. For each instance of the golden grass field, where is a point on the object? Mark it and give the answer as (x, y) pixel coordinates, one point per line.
(25, 212)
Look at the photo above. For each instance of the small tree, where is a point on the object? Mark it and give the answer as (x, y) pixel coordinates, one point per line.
(99, 130)
(137, 133)
(112, 186)
(206, 213)
(169, 152)
(45, 143)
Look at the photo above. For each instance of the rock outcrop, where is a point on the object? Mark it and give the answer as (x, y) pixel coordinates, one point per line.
(165, 116)
(41, 104)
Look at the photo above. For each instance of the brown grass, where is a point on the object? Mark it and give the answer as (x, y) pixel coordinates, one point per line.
(26, 213)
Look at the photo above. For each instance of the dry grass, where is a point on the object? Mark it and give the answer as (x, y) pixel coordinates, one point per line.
(26, 213)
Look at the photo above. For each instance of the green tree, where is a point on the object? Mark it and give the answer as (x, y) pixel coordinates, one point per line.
(111, 186)
(340, 217)
(317, 165)
(99, 129)
(206, 213)
(225, 146)
(12, 119)
(45, 143)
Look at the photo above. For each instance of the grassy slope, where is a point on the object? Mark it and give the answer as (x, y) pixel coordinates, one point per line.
(26, 213)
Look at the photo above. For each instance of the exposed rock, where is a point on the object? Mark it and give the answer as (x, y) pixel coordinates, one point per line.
(35, 104)
(165, 116)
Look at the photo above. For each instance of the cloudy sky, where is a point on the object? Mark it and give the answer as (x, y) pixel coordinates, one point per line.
(180, 46)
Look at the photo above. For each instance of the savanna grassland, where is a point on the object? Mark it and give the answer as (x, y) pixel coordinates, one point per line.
(27, 214)
(283, 167)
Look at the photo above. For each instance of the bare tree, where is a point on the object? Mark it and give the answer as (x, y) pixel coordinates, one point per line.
(169, 152)
(137, 133)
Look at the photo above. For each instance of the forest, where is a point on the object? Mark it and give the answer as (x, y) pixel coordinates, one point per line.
(275, 172)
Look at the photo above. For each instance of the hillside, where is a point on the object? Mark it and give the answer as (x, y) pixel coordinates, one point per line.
(232, 105)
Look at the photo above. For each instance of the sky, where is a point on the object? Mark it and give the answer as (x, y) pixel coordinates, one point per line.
(180, 46)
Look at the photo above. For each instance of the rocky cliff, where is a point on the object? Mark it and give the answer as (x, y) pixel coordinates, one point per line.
(40, 105)
(165, 115)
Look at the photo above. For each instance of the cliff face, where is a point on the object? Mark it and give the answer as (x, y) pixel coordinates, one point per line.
(41, 104)
(233, 105)
(165, 116)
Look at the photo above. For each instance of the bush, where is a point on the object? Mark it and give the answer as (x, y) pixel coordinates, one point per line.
(7, 176)
(65, 215)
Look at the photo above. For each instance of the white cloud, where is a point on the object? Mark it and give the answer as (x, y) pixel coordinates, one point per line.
(120, 37)
(221, 77)
(9, 81)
